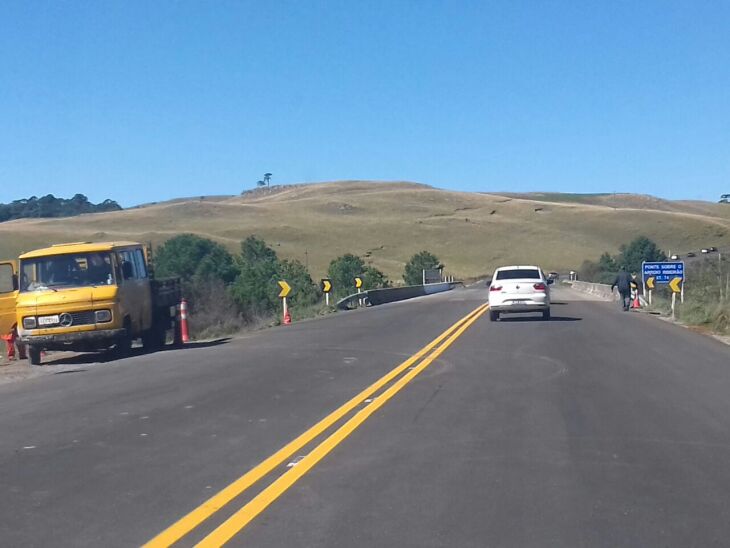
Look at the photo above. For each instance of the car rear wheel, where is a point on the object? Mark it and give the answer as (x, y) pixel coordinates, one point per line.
(154, 339)
(493, 315)
(546, 314)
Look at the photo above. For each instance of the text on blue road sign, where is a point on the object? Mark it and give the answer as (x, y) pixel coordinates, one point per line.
(663, 273)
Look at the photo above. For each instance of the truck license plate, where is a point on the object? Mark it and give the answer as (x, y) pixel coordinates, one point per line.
(48, 320)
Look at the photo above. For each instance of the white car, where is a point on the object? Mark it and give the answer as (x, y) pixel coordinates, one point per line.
(519, 289)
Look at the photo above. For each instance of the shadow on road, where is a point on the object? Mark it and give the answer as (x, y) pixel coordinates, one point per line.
(519, 319)
(204, 344)
(109, 356)
(565, 319)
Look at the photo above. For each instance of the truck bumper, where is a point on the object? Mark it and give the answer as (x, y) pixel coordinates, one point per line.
(75, 341)
(524, 306)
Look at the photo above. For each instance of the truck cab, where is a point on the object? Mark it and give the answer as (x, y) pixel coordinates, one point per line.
(8, 294)
(92, 296)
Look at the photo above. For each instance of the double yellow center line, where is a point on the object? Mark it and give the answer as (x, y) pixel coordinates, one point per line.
(229, 528)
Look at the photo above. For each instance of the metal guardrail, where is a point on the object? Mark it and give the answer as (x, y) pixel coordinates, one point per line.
(374, 297)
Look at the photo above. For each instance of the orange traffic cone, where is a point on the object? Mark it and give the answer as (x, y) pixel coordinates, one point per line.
(636, 303)
(287, 318)
(184, 332)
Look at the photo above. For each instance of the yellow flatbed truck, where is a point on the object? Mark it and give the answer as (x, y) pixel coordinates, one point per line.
(93, 296)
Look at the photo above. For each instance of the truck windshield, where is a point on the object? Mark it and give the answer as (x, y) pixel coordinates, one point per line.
(73, 270)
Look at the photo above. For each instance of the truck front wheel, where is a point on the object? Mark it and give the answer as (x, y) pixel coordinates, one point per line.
(124, 342)
(34, 355)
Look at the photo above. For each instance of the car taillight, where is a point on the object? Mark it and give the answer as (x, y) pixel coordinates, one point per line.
(540, 287)
(495, 288)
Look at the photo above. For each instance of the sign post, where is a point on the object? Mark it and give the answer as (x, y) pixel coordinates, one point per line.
(285, 290)
(358, 285)
(326, 288)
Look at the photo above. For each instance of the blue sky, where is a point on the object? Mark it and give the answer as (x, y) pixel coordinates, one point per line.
(145, 101)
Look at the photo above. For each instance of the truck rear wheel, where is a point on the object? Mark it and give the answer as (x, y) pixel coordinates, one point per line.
(34, 355)
(154, 339)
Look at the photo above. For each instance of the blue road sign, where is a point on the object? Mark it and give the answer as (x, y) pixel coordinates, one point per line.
(663, 273)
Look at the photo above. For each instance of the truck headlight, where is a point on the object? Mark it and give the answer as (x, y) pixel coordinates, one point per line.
(103, 316)
(29, 322)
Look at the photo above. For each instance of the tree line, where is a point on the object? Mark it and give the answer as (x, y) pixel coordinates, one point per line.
(50, 206)
(630, 256)
(228, 291)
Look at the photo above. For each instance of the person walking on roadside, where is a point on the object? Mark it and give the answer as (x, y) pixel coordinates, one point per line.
(623, 283)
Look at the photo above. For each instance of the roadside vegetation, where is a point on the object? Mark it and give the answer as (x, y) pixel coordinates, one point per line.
(228, 293)
(630, 255)
(707, 284)
(706, 296)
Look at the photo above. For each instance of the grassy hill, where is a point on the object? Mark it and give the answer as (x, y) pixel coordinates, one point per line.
(388, 222)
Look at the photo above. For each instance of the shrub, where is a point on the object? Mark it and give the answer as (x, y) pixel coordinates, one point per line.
(206, 269)
(344, 269)
(304, 291)
(189, 256)
(213, 311)
(256, 289)
(639, 250)
(423, 260)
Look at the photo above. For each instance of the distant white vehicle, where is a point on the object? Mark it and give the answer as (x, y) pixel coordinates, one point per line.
(674, 257)
(705, 251)
(519, 289)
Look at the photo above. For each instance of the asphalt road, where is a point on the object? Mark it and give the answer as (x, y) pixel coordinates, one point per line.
(598, 428)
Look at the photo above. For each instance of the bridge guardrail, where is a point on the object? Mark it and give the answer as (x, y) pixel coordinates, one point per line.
(375, 297)
(599, 290)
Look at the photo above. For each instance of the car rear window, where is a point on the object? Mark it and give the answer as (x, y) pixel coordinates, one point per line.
(519, 274)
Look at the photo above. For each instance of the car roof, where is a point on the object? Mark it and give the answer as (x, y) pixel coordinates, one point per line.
(76, 247)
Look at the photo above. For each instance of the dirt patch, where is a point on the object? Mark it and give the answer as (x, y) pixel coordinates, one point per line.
(701, 329)
(20, 370)
(338, 208)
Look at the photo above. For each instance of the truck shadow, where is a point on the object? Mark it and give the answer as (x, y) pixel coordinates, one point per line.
(197, 344)
(109, 356)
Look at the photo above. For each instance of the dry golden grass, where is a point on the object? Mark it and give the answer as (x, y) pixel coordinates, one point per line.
(388, 222)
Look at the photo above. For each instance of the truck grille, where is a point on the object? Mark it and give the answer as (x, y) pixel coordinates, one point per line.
(85, 317)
